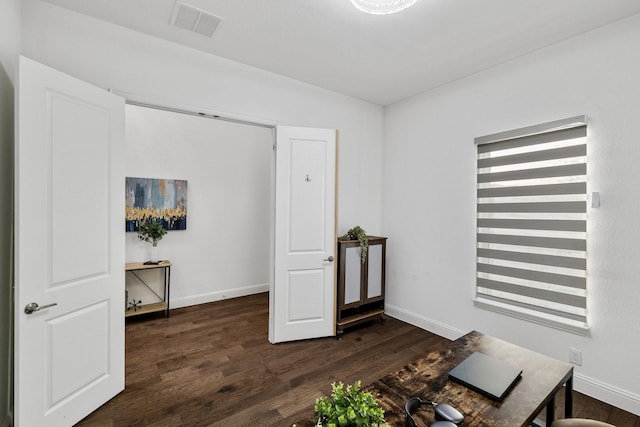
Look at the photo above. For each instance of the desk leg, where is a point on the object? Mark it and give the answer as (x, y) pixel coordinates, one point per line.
(568, 398)
(551, 409)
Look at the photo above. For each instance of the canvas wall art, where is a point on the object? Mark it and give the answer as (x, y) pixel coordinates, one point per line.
(164, 200)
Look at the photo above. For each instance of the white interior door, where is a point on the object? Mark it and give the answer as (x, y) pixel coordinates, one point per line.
(302, 301)
(69, 355)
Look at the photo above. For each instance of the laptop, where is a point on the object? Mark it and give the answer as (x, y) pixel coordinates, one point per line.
(487, 375)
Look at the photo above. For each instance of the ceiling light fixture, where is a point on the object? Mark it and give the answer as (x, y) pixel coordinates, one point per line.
(382, 7)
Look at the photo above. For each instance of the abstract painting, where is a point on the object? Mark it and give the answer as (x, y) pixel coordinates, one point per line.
(163, 200)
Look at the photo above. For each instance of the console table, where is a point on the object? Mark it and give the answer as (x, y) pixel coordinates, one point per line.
(163, 303)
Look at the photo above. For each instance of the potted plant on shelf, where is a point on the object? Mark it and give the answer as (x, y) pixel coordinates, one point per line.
(348, 407)
(357, 233)
(151, 230)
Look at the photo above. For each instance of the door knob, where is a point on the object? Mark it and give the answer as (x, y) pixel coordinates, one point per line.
(330, 259)
(32, 307)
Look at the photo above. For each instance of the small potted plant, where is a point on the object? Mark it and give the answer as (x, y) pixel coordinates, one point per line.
(348, 407)
(357, 233)
(151, 230)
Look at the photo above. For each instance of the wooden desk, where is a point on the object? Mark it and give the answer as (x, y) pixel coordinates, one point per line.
(163, 303)
(427, 377)
(542, 377)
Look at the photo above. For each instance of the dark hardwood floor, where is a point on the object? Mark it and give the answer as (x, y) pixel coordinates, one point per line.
(212, 365)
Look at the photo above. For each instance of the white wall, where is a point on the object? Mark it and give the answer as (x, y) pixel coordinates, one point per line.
(224, 252)
(429, 199)
(114, 57)
(9, 47)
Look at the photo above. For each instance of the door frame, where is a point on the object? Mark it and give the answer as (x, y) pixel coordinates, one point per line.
(205, 112)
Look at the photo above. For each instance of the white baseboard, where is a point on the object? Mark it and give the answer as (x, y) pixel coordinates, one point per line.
(607, 393)
(425, 323)
(218, 295)
(604, 392)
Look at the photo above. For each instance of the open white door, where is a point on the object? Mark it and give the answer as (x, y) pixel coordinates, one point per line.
(302, 301)
(69, 354)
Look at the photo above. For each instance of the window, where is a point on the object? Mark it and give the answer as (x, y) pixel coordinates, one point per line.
(531, 223)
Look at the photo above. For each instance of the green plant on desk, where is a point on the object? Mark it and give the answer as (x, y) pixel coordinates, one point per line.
(348, 407)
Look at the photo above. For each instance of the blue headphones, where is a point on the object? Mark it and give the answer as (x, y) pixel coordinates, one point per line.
(446, 415)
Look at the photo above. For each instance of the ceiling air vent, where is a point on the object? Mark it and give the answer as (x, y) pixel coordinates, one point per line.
(192, 19)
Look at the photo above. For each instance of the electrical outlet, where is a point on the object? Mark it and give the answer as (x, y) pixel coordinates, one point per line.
(575, 356)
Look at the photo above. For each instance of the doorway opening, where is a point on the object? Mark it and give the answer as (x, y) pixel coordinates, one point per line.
(226, 249)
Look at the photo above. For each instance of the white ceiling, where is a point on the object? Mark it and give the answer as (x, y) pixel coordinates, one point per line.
(378, 58)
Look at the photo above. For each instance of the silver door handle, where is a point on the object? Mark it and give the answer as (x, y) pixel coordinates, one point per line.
(32, 307)
(330, 259)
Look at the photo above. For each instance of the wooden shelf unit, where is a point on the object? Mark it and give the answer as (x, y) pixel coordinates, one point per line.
(361, 286)
(163, 303)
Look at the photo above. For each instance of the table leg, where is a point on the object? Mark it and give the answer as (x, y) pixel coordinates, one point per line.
(551, 409)
(167, 286)
(568, 398)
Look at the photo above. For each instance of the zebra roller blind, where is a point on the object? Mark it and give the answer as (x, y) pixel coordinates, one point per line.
(532, 225)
